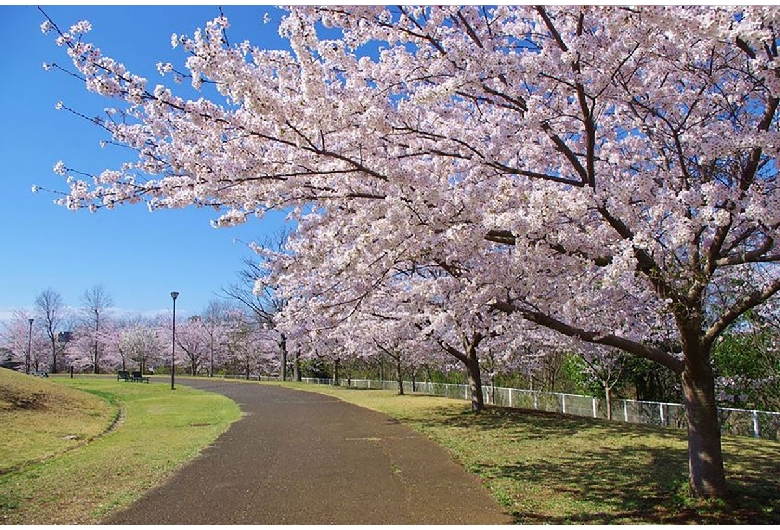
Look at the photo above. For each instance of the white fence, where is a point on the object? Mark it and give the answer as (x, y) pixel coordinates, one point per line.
(755, 423)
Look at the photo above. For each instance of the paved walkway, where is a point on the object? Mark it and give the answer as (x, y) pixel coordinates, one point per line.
(304, 458)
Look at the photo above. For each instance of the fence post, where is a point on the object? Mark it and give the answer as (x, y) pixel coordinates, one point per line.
(625, 410)
(661, 412)
(510, 398)
(595, 407)
(536, 404)
(756, 432)
(563, 403)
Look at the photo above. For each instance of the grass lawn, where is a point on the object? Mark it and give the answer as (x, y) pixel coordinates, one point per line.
(56, 479)
(552, 469)
(73, 457)
(41, 420)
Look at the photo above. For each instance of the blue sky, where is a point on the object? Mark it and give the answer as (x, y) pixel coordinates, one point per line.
(139, 257)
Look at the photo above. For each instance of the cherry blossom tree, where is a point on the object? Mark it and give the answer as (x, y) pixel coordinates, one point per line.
(96, 302)
(134, 342)
(193, 339)
(608, 173)
(81, 351)
(52, 313)
(250, 347)
(604, 366)
(261, 297)
(145, 345)
(214, 320)
(28, 343)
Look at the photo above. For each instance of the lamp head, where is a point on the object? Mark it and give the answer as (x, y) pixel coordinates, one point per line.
(174, 295)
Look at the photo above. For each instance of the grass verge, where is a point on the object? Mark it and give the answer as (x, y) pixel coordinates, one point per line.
(158, 432)
(552, 469)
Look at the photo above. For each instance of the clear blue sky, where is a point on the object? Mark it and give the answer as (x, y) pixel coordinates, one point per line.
(138, 256)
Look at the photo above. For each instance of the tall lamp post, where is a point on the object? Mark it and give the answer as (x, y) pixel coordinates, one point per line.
(174, 295)
(29, 348)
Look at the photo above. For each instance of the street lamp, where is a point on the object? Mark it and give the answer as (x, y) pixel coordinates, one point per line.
(174, 295)
(29, 348)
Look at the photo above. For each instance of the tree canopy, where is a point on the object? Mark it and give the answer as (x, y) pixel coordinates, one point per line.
(608, 174)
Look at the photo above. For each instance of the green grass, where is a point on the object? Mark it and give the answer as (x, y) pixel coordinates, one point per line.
(157, 431)
(62, 465)
(41, 420)
(553, 469)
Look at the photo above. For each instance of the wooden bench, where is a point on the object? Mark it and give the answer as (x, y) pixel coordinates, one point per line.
(139, 378)
(123, 375)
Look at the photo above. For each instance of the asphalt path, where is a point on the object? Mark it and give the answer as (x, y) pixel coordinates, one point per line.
(304, 458)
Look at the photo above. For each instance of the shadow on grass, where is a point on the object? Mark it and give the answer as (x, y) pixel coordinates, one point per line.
(583, 470)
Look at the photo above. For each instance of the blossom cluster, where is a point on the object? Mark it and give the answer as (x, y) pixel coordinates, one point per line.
(490, 177)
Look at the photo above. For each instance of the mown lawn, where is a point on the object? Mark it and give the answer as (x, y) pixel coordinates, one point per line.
(78, 456)
(552, 469)
(158, 430)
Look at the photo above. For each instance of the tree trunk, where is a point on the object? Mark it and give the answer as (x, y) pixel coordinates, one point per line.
(400, 375)
(297, 367)
(336, 372)
(475, 383)
(608, 398)
(53, 356)
(211, 358)
(705, 456)
(283, 348)
(95, 370)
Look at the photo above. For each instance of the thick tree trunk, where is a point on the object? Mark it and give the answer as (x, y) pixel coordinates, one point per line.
(336, 372)
(470, 360)
(475, 383)
(705, 456)
(399, 375)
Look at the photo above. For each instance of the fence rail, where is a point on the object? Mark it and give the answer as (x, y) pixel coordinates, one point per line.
(740, 422)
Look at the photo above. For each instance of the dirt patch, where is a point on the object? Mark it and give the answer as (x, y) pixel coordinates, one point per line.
(14, 399)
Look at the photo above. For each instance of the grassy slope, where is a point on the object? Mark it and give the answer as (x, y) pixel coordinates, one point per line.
(41, 419)
(553, 469)
(160, 431)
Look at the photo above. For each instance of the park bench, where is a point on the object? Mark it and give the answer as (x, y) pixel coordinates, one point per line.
(139, 378)
(123, 375)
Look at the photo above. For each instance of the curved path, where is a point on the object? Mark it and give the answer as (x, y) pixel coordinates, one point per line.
(304, 458)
